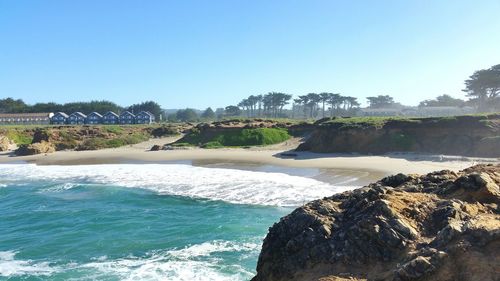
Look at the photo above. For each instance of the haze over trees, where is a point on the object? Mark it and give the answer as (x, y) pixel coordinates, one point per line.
(208, 114)
(483, 88)
(184, 115)
(381, 101)
(10, 105)
(443, 100)
(270, 105)
(150, 106)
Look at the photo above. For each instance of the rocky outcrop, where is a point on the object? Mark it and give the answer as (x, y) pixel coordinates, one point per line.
(441, 226)
(35, 148)
(4, 143)
(477, 136)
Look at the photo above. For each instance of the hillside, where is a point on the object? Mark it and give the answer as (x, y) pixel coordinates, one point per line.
(45, 139)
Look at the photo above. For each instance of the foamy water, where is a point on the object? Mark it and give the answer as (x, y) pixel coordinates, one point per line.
(196, 262)
(235, 186)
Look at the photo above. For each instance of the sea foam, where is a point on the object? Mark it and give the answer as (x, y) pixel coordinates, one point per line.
(230, 185)
(190, 263)
(10, 266)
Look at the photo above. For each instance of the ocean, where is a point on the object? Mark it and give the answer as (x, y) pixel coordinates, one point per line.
(142, 221)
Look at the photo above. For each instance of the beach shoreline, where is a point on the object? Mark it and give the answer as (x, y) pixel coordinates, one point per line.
(281, 155)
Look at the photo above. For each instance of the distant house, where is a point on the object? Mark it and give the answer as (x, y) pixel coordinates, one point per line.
(127, 117)
(439, 111)
(94, 118)
(144, 117)
(380, 112)
(59, 118)
(110, 118)
(76, 118)
(25, 118)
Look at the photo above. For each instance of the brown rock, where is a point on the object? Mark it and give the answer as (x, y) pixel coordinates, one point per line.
(156, 147)
(4, 143)
(35, 148)
(441, 226)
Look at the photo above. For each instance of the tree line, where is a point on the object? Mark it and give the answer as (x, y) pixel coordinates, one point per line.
(482, 88)
(10, 105)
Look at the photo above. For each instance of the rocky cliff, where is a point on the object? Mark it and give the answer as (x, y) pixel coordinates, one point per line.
(461, 135)
(440, 226)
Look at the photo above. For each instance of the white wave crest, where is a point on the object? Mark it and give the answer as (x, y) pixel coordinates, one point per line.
(235, 186)
(191, 263)
(196, 262)
(10, 267)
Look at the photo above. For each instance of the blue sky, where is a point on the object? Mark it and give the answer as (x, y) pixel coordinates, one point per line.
(200, 53)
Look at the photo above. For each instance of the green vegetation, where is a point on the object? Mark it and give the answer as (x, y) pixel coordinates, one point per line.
(100, 143)
(113, 129)
(19, 137)
(366, 122)
(235, 137)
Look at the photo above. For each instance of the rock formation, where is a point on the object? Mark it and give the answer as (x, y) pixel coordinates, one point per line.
(440, 226)
(35, 148)
(4, 143)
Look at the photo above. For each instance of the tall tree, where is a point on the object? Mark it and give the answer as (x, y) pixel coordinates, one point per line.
(483, 88)
(208, 114)
(149, 106)
(274, 102)
(10, 105)
(335, 100)
(324, 99)
(232, 111)
(186, 115)
(381, 101)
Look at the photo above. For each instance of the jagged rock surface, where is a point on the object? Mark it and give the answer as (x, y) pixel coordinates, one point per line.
(35, 148)
(441, 226)
(4, 143)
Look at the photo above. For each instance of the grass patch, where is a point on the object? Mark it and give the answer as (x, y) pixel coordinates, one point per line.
(113, 129)
(19, 137)
(366, 122)
(100, 143)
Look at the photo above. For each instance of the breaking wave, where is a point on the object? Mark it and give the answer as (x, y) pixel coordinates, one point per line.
(230, 185)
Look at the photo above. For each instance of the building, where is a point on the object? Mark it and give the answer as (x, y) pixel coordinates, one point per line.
(94, 118)
(59, 118)
(110, 118)
(77, 118)
(127, 117)
(25, 118)
(144, 117)
(380, 112)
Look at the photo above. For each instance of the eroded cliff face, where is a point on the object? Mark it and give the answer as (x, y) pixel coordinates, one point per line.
(463, 135)
(441, 226)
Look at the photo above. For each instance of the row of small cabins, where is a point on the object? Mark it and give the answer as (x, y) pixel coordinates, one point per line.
(78, 118)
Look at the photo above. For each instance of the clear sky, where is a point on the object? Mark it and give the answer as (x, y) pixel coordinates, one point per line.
(215, 53)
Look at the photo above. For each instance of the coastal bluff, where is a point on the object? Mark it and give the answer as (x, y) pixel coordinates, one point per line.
(469, 135)
(441, 226)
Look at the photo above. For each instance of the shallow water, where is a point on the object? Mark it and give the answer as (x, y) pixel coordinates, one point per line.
(141, 222)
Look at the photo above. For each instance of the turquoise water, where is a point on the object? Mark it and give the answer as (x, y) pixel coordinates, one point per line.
(140, 222)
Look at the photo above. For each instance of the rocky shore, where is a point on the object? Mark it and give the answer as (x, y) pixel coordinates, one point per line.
(441, 226)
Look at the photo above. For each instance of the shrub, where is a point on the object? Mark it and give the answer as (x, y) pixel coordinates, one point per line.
(243, 137)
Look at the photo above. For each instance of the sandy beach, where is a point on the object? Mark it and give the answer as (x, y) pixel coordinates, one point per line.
(271, 155)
